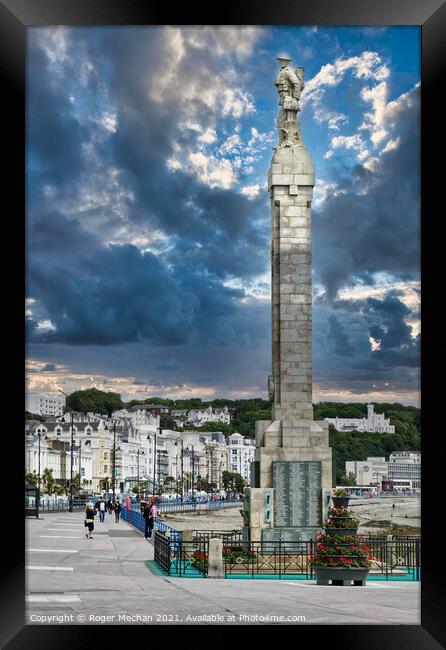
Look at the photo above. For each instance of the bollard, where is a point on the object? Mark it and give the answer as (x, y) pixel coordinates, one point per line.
(389, 552)
(215, 558)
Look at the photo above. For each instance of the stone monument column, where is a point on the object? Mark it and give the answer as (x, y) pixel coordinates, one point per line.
(293, 459)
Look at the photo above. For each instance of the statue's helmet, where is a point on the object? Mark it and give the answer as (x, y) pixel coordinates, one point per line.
(284, 59)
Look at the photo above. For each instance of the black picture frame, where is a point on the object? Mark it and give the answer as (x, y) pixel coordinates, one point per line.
(15, 17)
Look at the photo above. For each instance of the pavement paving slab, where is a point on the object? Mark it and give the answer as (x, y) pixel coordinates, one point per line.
(108, 582)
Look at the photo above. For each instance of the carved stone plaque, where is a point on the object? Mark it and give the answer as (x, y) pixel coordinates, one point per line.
(297, 493)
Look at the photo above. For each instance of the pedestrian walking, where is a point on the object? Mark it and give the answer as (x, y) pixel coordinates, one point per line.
(109, 506)
(117, 509)
(150, 514)
(90, 513)
(102, 506)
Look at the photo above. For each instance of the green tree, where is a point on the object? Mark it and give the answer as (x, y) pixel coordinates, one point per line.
(48, 482)
(167, 422)
(31, 477)
(169, 483)
(226, 429)
(203, 484)
(33, 416)
(348, 479)
(356, 445)
(194, 403)
(94, 400)
(162, 401)
(233, 481)
(76, 483)
(104, 483)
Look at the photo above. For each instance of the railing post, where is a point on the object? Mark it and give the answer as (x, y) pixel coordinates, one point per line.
(215, 558)
(389, 554)
(280, 558)
(417, 559)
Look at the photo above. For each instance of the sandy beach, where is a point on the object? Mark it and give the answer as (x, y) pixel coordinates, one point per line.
(374, 514)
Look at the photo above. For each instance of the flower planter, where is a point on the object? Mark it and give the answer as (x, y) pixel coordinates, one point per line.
(336, 556)
(341, 532)
(341, 519)
(238, 559)
(340, 502)
(342, 576)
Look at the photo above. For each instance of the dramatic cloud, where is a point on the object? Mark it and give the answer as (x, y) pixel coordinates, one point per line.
(372, 223)
(148, 221)
(338, 338)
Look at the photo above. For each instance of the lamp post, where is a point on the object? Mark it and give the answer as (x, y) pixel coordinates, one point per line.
(149, 437)
(38, 468)
(113, 459)
(182, 468)
(70, 502)
(139, 451)
(80, 461)
(220, 474)
(38, 476)
(193, 469)
(211, 477)
(155, 452)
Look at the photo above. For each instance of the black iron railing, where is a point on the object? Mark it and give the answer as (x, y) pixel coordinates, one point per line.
(61, 506)
(190, 558)
(179, 558)
(268, 558)
(396, 557)
(162, 551)
(227, 536)
(389, 559)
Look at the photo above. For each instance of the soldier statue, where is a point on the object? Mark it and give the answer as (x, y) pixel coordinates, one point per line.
(289, 84)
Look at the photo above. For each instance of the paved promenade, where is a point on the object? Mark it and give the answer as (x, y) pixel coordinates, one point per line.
(75, 580)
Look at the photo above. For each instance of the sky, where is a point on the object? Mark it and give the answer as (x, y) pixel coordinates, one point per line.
(148, 216)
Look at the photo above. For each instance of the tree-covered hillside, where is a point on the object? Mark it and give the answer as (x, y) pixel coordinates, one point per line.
(346, 445)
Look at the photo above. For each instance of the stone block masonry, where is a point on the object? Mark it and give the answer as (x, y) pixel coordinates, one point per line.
(292, 434)
(291, 281)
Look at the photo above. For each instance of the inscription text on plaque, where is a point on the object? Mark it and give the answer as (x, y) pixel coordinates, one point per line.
(297, 493)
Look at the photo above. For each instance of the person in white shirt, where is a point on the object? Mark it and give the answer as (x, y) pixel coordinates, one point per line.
(102, 508)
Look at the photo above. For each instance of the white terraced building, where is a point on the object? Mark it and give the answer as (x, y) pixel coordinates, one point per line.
(45, 403)
(368, 472)
(240, 454)
(94, 435)
(199, 417)
(405, 466)
(57, 457)
(373, 423)
(138, 416)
